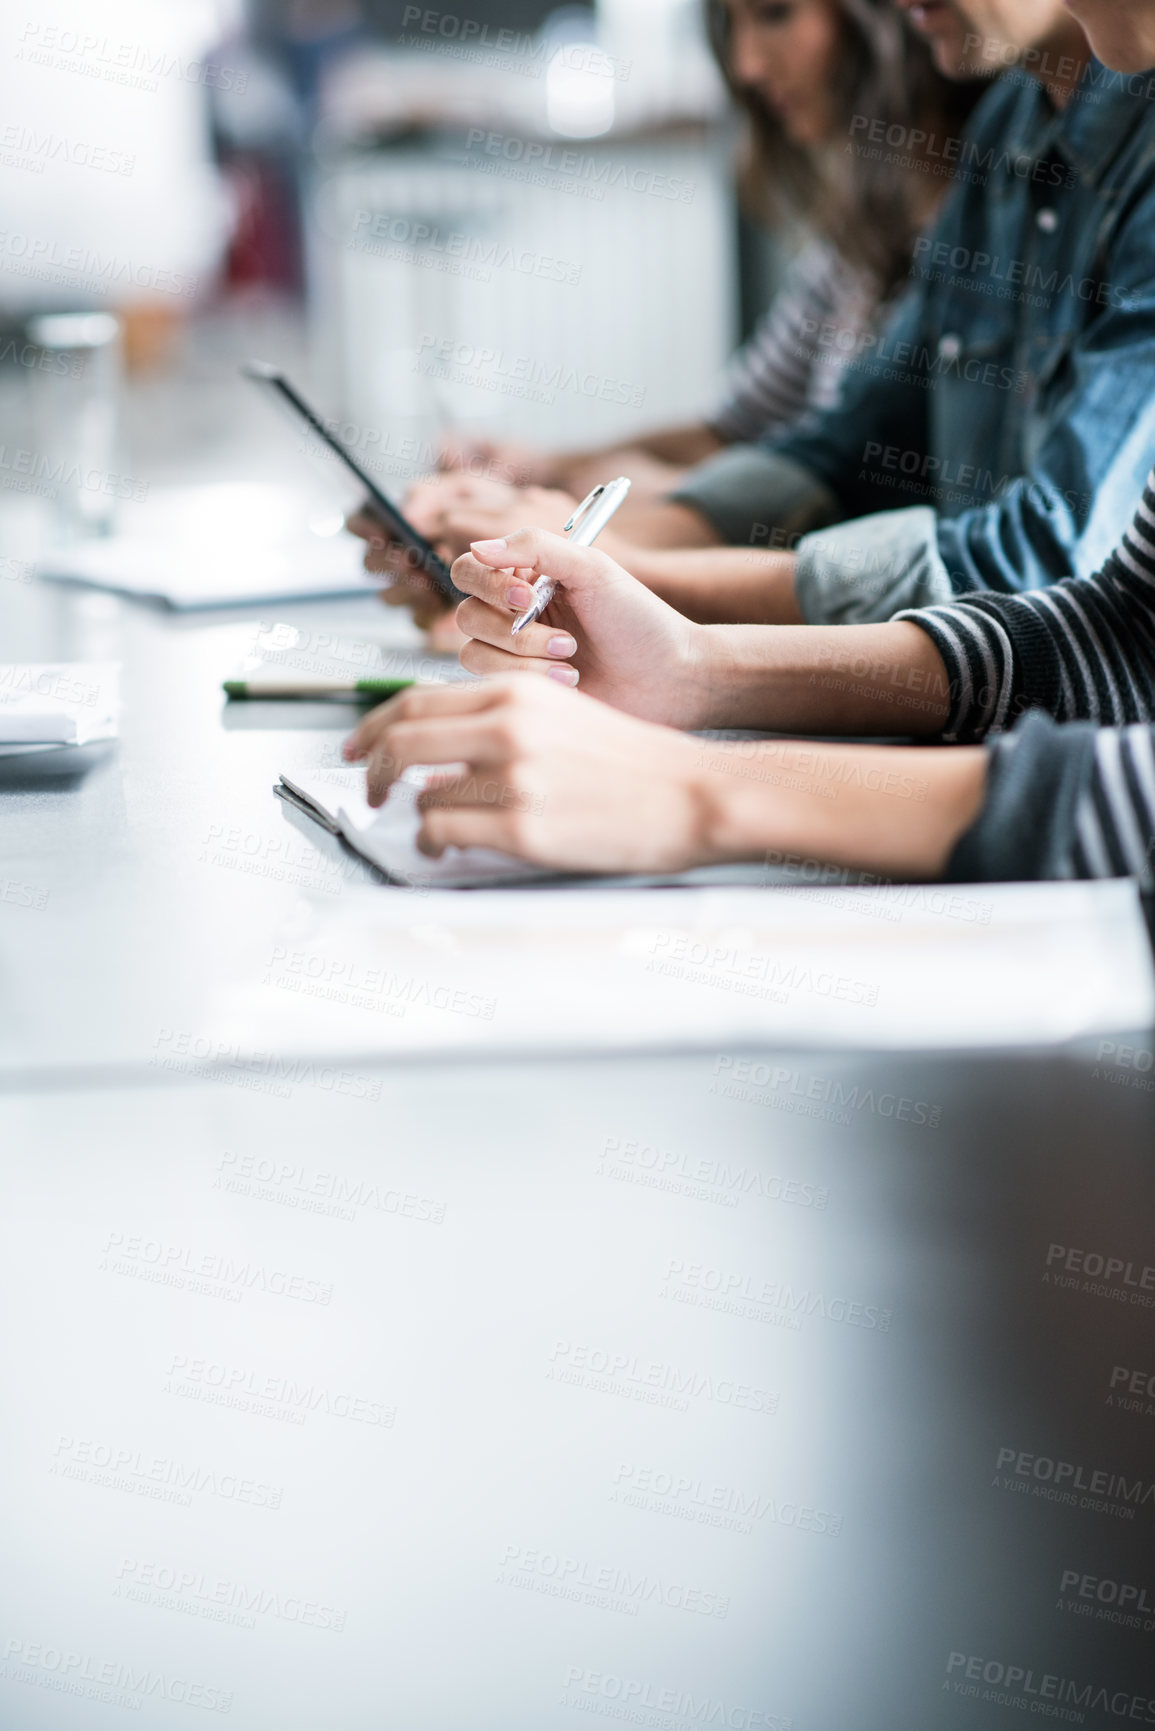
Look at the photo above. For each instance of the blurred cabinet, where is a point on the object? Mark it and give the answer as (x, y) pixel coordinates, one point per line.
(559, 293)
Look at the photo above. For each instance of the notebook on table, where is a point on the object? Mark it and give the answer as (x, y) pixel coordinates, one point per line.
(387, 838)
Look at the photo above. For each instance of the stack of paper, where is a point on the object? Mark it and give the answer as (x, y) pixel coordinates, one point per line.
(54, 704)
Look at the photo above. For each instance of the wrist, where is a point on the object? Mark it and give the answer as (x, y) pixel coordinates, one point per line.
(721, 830)
(693, 679)
(638, 561)
(890, 810)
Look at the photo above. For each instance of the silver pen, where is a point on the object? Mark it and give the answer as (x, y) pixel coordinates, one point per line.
(583, 528)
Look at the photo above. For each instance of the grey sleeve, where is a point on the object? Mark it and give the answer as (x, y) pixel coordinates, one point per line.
(755, 498)
(871, 568)
(1038, 779)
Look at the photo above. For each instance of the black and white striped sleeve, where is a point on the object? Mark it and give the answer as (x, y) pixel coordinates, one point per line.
(1074, 801)
(795, 357)
(1082, 650)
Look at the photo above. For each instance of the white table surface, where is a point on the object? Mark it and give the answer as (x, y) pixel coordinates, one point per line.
(671, 1391)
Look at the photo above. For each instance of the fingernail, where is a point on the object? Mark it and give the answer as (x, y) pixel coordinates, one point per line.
(489, 547)
(563, 675)
(561, 645)
(519, 595)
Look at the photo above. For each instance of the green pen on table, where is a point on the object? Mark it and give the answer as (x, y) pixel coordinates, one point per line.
(317, 689)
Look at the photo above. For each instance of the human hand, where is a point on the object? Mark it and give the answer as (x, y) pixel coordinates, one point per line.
(501, 460)
(406, 584)
(454, 510)
(603, 627)
(550, 776)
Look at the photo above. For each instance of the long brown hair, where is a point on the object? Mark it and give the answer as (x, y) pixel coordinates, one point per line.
(869, 201)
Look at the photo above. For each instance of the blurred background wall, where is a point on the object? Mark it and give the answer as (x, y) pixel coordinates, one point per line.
(505, 219)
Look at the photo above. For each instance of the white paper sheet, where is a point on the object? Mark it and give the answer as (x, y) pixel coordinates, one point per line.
(219, 546)
(57, 703)
(578, 970)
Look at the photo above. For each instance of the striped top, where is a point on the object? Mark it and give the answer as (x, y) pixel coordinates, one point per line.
(1113, 834)
(1081, 651)
(800, 349)
(1064, 801)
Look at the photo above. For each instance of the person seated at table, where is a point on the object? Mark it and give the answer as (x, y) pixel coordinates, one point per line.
(591, 787)
(805, 72)
(604, 782)
(993, 438)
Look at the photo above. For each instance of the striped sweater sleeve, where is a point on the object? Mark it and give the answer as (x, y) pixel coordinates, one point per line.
(1083, 649)
(785, 369)
(1064, 802)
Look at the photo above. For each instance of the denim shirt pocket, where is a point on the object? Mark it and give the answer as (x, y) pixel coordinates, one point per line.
(978, 399)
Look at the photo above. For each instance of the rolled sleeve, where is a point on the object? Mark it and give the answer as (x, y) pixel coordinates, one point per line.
(754, 497)
(872, 568)
(1026, 829)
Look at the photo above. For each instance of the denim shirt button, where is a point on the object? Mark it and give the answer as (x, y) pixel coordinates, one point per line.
(949, 348)
(1047, 220)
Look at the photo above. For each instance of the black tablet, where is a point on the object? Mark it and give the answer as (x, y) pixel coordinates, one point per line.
(425, 558)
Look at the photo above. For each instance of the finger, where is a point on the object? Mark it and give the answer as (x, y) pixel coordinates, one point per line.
(414, 704)
(427, 514)
(449, 787)
(443, 634)
(403, 594)
(481, 741)
(491, 625)
(546, 554)
(475, 519)
(379, 560)
(428, 616)
(384, 557)
(362, 523)
(486, 660)
(454, 453)
(436, 494)
(456, 792)
(390, 559)
(401, 563)
(457, 529)
(469, 826)
(425, 609)
(501, 588)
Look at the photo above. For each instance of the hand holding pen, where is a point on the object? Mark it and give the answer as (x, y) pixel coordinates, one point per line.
(583, 529)
(626, 646)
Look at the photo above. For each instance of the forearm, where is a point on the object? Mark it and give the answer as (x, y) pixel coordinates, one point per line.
(896, 811)
(871, 679)
(578, 471)
(681, 446)
(717, 586)
(660, 523)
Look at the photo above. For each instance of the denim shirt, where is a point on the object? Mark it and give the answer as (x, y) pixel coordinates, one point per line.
(1004, 421)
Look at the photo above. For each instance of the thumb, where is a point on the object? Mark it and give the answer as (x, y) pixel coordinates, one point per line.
(542, 554)
(362, 523)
